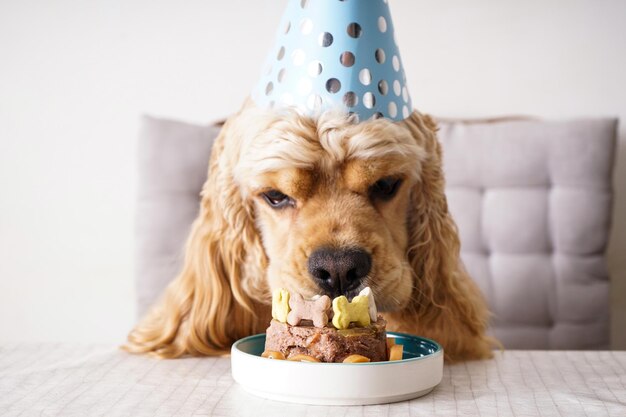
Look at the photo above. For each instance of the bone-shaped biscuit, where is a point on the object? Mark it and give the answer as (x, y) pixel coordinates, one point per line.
(347, 312)
(280, 304)
(314, 310)
(330, 310)
(367, 291)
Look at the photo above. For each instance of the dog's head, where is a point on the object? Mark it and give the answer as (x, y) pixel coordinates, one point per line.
(315, 205)
(331, 201)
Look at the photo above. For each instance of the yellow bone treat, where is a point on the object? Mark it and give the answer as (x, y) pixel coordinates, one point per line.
(280, 304)
(346, 312)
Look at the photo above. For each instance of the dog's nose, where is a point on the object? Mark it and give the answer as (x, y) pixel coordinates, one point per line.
(339, 270)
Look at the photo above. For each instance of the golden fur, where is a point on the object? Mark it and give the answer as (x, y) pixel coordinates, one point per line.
(240, 248)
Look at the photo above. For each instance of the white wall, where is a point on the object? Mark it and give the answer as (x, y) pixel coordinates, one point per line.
(75, 76)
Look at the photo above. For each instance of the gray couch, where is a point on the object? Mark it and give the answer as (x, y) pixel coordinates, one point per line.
(532, 200)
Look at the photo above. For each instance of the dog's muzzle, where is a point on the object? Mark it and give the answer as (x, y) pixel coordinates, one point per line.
(339, 271)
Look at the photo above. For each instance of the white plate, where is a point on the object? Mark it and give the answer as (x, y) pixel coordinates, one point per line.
(417, 374)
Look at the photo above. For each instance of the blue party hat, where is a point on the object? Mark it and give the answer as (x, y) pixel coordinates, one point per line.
(336, 54)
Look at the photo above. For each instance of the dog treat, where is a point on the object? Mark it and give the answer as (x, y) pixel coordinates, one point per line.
(301, 330)
(280, 304)
(328, 344)
(347, 312)
(303, 358)
(271, 354)
(330, 310)
(356, 359)
(395, 352)
(314, 310)
(367, 292)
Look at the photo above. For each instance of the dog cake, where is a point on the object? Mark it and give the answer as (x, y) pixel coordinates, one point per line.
(321, 330)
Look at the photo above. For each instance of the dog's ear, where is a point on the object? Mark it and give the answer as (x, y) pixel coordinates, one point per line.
(207, 307)
(445, 300)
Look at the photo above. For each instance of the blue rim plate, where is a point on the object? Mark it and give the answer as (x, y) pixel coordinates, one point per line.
(414, 348)
(420, 370)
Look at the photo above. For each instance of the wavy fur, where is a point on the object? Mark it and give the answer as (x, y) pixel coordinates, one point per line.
(223, 290)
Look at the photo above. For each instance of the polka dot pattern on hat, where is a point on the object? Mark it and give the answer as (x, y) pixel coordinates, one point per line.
(336, 54)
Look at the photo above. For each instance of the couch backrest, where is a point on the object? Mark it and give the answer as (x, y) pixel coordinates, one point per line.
(532, 201)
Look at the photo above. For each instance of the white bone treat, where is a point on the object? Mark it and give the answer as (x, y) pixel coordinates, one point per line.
(367, 291)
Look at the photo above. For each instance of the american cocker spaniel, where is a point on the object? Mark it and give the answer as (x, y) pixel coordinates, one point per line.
(319, 205)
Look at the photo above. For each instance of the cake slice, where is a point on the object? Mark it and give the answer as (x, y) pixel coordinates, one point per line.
(303, 329)
(328, 344)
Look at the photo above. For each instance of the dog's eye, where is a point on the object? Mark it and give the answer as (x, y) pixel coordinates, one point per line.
(385, 188)
(276, 199)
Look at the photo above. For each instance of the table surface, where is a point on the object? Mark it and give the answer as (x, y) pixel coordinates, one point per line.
(70, 380)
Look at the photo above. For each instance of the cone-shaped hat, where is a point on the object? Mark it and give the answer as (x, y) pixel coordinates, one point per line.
(336, 54)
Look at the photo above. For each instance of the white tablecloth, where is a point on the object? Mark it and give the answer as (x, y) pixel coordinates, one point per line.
(67, 380)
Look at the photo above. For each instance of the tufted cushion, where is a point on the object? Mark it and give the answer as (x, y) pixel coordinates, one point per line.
(531, 199)
(173, 161)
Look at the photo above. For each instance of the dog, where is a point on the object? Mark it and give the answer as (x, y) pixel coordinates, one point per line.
(319, 205)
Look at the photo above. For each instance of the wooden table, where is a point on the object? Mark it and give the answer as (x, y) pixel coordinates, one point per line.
(69, 380)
